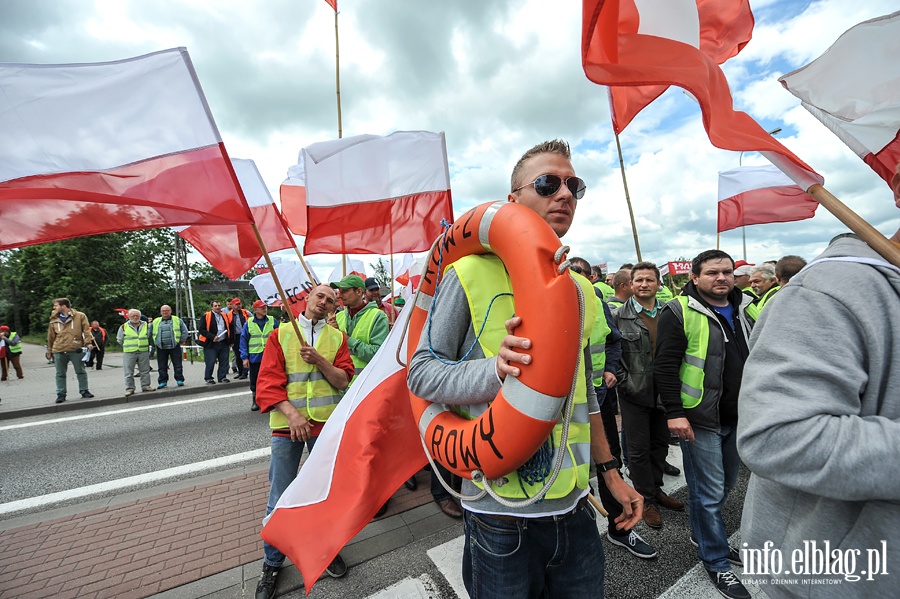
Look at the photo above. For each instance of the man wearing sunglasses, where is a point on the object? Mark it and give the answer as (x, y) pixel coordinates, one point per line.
(551, 547)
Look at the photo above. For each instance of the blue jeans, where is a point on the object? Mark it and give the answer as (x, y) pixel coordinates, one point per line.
(61, 362)
(162, 363)
(711, 466)
(533, 558)
(216, 353)
(283, 467)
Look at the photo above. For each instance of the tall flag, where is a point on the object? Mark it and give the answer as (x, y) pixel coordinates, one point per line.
(234, 249)
(725, 27)
(368, 447)
(653, 42)
(114, 146)
(755, 195)
(333, 4)
(401, 266)
(293, 198)
(376, 195)
(854, 89)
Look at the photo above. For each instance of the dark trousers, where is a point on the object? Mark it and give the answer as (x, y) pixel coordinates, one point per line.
(608, 411)
(96, 354)
(647, 435)
(238, 363)
(216, 353)
(162, 364)
(438, 492)
(254, 372)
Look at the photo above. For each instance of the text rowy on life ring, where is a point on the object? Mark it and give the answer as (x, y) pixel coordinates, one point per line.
(523, 413)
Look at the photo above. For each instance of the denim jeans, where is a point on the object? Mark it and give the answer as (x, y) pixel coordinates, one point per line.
(216, 353)
(283, 466)
(61, 362)
(533, 558)
(711, 466)
(162, 364)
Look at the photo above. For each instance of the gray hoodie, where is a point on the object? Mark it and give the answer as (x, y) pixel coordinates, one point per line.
(819, 427)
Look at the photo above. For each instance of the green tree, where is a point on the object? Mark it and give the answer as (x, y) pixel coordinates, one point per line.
(382, 275)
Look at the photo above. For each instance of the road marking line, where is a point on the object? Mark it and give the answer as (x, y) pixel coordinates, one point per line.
(448, 559)
(421, 587)
(119, 411)
(50, 499)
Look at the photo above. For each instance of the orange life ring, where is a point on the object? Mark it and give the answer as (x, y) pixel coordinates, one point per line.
(524, 412)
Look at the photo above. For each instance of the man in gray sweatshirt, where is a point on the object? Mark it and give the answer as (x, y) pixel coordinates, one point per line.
(819, 428)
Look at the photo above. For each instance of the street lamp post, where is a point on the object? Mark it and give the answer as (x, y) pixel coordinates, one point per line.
(774, 131)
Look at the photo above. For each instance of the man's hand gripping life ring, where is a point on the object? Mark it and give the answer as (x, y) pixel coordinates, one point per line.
(524, 412)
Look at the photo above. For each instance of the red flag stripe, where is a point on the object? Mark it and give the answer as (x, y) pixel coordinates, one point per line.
(767, 205)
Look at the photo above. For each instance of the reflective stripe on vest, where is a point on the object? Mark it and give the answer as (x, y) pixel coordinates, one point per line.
(307, 388)
(176, 328)
(259, 337)
(598, 343)
(691, 373)
(14, 349)
(483, 277)
(361, 332)
(135, 341)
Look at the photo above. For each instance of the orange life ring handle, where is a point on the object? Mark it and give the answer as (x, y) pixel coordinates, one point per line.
(525, 410)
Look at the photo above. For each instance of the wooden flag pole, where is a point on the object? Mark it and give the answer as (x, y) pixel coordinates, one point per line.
(281, 292)
(878, 242)
(637, 244)
(337, 72)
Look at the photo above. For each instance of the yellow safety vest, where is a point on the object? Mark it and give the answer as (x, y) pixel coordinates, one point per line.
(692, 371)
(756, 307)
(598, 343)
(135, 341)
(14, 349)
(362, 332)
(176, 328)
(482, 277)
(258, 337)
(307, 388)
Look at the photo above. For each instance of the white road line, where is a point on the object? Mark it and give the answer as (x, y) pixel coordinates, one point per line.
(448, 559)
(119, 411)
(44, 501)
(696, 583)
(422, 587)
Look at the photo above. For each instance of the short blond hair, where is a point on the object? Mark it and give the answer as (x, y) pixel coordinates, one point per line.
(554, 146)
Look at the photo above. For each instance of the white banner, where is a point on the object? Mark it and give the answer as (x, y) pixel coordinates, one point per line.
(293, 279)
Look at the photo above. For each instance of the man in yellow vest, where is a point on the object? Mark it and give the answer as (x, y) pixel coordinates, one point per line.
(300, 383)
(253, 337)
(701, 347)
(553, 545)
(363, 321)
(764, 285)
(167, 331)
(13, 344)
(134, 337)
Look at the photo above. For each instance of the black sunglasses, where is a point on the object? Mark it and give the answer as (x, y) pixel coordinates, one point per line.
(547, 185)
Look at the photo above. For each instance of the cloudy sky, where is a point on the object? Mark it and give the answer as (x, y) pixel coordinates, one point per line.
(497, 77)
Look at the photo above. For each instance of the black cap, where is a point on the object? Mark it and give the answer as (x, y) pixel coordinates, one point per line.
(371, 284)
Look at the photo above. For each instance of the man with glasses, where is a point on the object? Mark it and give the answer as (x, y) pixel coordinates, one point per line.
(552, 546)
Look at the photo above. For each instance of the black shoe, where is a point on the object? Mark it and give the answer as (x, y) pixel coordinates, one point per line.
(210, 382)
(411, 484)
(734, 556)
(243, 377)
(87, 394)
(633, 542)
(728, 585)
(224, 381)
(382, 509)
(265, 588)
(337, 567)
(671, 470)
(60, 398)
(254, 407)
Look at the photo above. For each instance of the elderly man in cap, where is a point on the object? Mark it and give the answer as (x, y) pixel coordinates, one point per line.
(373, 294)
(364, 323)
(742, 277)
(253, 339)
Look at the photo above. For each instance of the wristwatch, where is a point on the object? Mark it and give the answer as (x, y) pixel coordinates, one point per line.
(613, 464)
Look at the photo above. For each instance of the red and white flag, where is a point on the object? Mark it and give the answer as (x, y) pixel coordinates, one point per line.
(376, 195)
(854, 89)
(725, 27)
(755, 195)
(368, 447)
(293, 198)
(401, 266)
(332, 4)
(233, 249)
(655, 42)
(113, 146)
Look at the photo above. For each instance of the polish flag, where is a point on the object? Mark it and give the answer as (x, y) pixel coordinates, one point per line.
(233, 249)
(354, 267)
(657, 42)
(369, 446)
(376, 195)
(332, 4)
(401, 266)
(725, 27)
(114, 146)
(293, 198)
(854, 89)
(755, 195)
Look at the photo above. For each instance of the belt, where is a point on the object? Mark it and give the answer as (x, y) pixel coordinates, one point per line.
(581, 503)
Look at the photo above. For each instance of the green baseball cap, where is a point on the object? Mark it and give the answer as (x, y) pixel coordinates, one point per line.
(350, 282)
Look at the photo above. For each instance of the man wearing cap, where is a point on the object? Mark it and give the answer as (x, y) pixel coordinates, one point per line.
(239, 317)
(13, 345)
(742, 277)
(300, 384)
(366, 326)
(167, 332)
(254, 335)
(373, 294)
